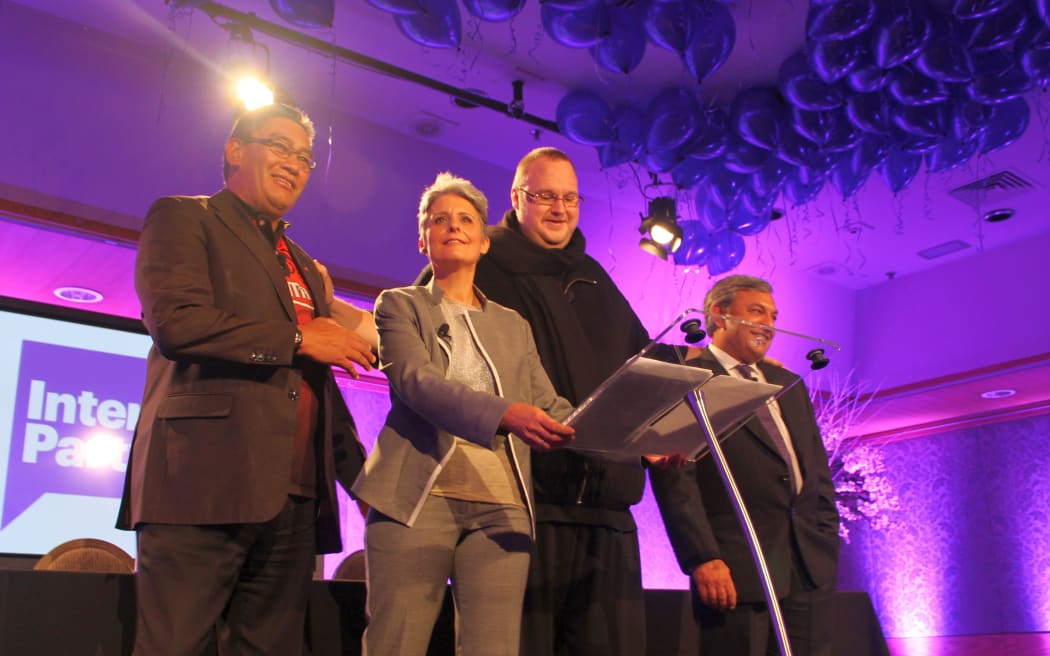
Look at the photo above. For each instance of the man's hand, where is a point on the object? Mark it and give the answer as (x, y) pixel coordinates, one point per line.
(360, 321)
(672, 461)
(329, 289)
(715, 586)
(325, 341)
(535, 427)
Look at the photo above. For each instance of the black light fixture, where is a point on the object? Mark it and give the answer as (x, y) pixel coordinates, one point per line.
(660, 231)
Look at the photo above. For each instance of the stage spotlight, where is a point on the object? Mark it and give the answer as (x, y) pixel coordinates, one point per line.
(660, 231)
(248, 70)
(253, 92)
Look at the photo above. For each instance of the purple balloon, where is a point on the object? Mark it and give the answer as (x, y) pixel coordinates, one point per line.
(494, 11)
(672, 118)
(711, 41)
(901, 39)
(833, 60)
(1042, 9)
(306, 13)
(915, 144)
(711, 137)
(801, 85)
(623, 49)
(576, 28)
(1008, 122)
(398, 6)
(755, 203)
(800, 151)
(693, 250)
(969, 118)
(724, 187)
(870, 112)
(768, 180)
(802, 186)
(568, 5)
(950, 154)
(708, 207)
(866, 78)
(846, 178)
(998, 77)
(966, 9)
(628, 137)
(899, 169)
(870, 152)
(997, 30)
(742, 157)
(438, 25)
(670, 24)
(726, 252)
(585, 118)
(660, 161)
(830, 130)
(909, 87)
(743, 222)
(921, 120)
(691, 172)
(1036, 65)
(945, 60)
(839, 20)
(756, 115)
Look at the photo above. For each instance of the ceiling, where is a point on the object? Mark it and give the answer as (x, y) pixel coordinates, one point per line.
(865, 241)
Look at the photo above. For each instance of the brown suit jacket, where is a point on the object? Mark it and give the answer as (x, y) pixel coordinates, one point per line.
(213, 444)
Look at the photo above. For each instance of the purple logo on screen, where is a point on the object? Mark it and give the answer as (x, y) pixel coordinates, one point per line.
(74, 415)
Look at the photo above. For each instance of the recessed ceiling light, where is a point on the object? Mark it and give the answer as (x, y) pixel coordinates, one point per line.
(78, 294)
(998, 394)
(995, 216)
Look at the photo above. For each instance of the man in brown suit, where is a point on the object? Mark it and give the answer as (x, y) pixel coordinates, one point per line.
(230, 485)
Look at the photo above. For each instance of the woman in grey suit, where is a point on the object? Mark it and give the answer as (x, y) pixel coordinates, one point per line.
(449, 480)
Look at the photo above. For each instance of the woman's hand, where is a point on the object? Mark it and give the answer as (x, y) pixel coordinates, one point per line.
(535, 427)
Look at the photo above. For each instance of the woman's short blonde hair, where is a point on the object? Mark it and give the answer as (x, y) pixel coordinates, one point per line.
(447, 183)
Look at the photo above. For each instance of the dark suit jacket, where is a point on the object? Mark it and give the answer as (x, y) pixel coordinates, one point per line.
(213, 444)
(699, 517)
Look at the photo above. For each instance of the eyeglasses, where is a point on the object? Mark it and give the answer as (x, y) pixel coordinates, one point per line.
(547, 198)
(284, 151)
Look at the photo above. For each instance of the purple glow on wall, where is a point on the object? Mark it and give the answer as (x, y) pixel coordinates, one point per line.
(969, 556)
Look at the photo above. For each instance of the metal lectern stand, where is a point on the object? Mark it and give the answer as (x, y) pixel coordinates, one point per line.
(635, 395)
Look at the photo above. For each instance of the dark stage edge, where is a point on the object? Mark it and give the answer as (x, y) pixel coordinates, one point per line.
(82, 614)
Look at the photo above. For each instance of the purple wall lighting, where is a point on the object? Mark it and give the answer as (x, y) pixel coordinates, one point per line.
(968, 555)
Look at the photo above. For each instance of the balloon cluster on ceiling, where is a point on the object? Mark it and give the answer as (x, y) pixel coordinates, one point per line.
(881, 85)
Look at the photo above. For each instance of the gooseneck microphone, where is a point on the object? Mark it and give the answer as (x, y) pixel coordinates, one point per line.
(817, 358)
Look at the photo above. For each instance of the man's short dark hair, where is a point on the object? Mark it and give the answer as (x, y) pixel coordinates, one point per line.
(247, 123)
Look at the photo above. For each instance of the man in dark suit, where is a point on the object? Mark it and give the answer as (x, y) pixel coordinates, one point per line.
(781, 468)
(230, 485)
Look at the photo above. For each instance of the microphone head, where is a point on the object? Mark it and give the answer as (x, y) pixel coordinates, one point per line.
(443, 331)
(816, 359)
(693, 332)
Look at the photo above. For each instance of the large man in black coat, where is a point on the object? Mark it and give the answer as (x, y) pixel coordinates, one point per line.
(781, 468)
(584, 593)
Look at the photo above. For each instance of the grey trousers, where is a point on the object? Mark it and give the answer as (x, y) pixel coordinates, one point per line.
(483, 548)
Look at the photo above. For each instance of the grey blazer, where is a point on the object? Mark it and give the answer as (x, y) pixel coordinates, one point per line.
(428, 409)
